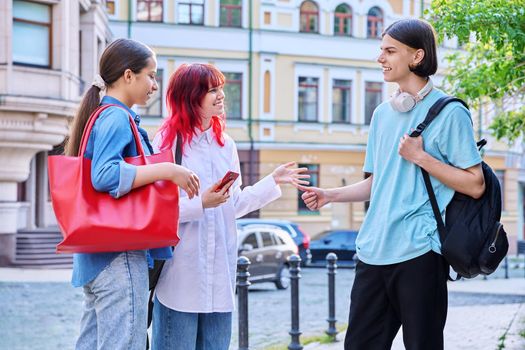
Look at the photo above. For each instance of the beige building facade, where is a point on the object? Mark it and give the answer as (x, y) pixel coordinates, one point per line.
(49, 49)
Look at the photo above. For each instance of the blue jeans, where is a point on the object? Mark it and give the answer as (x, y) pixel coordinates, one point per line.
(115, 306)
(174, 330)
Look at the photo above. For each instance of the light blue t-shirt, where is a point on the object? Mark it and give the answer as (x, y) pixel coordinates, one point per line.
(400, 224)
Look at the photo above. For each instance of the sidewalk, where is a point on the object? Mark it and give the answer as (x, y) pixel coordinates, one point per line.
(474, 327)
(8, 274)
(478, 327)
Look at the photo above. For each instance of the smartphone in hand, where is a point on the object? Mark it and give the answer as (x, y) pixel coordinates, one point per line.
(230, 175)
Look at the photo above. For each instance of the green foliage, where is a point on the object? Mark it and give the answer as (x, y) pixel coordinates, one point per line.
(491, 69)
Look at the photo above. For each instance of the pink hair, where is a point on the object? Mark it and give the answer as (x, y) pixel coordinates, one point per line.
(186, 90)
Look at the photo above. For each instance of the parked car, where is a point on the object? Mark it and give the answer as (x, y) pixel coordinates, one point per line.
(340, 242)
(301, 238)
(268, 248)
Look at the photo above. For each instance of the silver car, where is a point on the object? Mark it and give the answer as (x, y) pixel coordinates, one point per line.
(268, 248)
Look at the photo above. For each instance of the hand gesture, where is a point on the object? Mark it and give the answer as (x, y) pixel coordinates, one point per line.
(287, 174)
(212, 199)
(185, 179)
(314, 197)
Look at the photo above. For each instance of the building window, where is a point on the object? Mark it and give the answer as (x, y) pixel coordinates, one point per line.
(343, 20)
(153, 108)
(31, 34)
(110, 7)
(233, 95)
(375, 24)
(231, 13)
(309, 17)
(373, 97)
(313, 171)
(341, 101)
(267, 92)
(500, 174)
(308, 99)
(149, 10)
(191, 12)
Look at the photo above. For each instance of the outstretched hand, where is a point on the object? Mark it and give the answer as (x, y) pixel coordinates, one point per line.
(288, 174)
(314, 197)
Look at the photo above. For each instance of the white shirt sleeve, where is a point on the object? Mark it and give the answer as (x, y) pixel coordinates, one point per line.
(255, 197)
(190, 209)
(252, 197)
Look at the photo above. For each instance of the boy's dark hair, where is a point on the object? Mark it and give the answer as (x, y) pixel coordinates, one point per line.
(417, 34)
(120, 55)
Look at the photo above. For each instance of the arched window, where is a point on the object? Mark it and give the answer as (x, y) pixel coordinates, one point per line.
(375, 23)
(231, 11)
(343, 20)
(309, 17)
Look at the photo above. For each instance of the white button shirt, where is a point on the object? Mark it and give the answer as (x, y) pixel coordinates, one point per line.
(200, 278)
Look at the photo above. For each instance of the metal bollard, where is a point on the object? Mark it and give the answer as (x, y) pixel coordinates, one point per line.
(331, 265)
(294, 262)
(242, 294)
(506, 267)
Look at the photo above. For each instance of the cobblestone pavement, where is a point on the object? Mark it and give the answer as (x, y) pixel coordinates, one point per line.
(45, 315)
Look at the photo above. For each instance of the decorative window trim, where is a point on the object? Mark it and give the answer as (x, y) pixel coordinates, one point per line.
(50, 37)
(372, 77)
(316, 14)
(149, 2)
(313, 72)
(340, 17)
(343, 74)
(189, 2)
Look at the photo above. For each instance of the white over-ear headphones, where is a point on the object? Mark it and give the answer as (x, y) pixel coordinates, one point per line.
(405, 102)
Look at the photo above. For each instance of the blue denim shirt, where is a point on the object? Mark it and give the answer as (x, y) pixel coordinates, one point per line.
(111, 140)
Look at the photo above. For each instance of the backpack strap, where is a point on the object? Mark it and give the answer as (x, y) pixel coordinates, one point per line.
(160, 263)
(433, 112)
(178, 149)
(481, 143)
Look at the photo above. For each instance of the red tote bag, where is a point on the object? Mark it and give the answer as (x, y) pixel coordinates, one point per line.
(92, 222)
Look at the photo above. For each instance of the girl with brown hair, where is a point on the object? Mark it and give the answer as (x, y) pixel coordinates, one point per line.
(116, 284)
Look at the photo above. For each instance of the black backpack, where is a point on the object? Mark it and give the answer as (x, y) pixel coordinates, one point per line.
(473, 241)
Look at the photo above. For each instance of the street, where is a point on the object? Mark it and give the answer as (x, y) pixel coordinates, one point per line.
(270, 314)
(45, 315)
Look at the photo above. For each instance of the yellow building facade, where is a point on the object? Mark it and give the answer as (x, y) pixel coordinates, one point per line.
(302, 82)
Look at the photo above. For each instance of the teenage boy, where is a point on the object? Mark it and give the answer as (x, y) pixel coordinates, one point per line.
(401, 277)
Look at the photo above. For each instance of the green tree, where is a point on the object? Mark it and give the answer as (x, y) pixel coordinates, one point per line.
(491, 69)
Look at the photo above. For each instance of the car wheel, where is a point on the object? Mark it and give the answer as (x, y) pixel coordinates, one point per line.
(282, 280)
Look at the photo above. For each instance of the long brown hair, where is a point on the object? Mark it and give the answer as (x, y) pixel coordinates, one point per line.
(120, 55)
